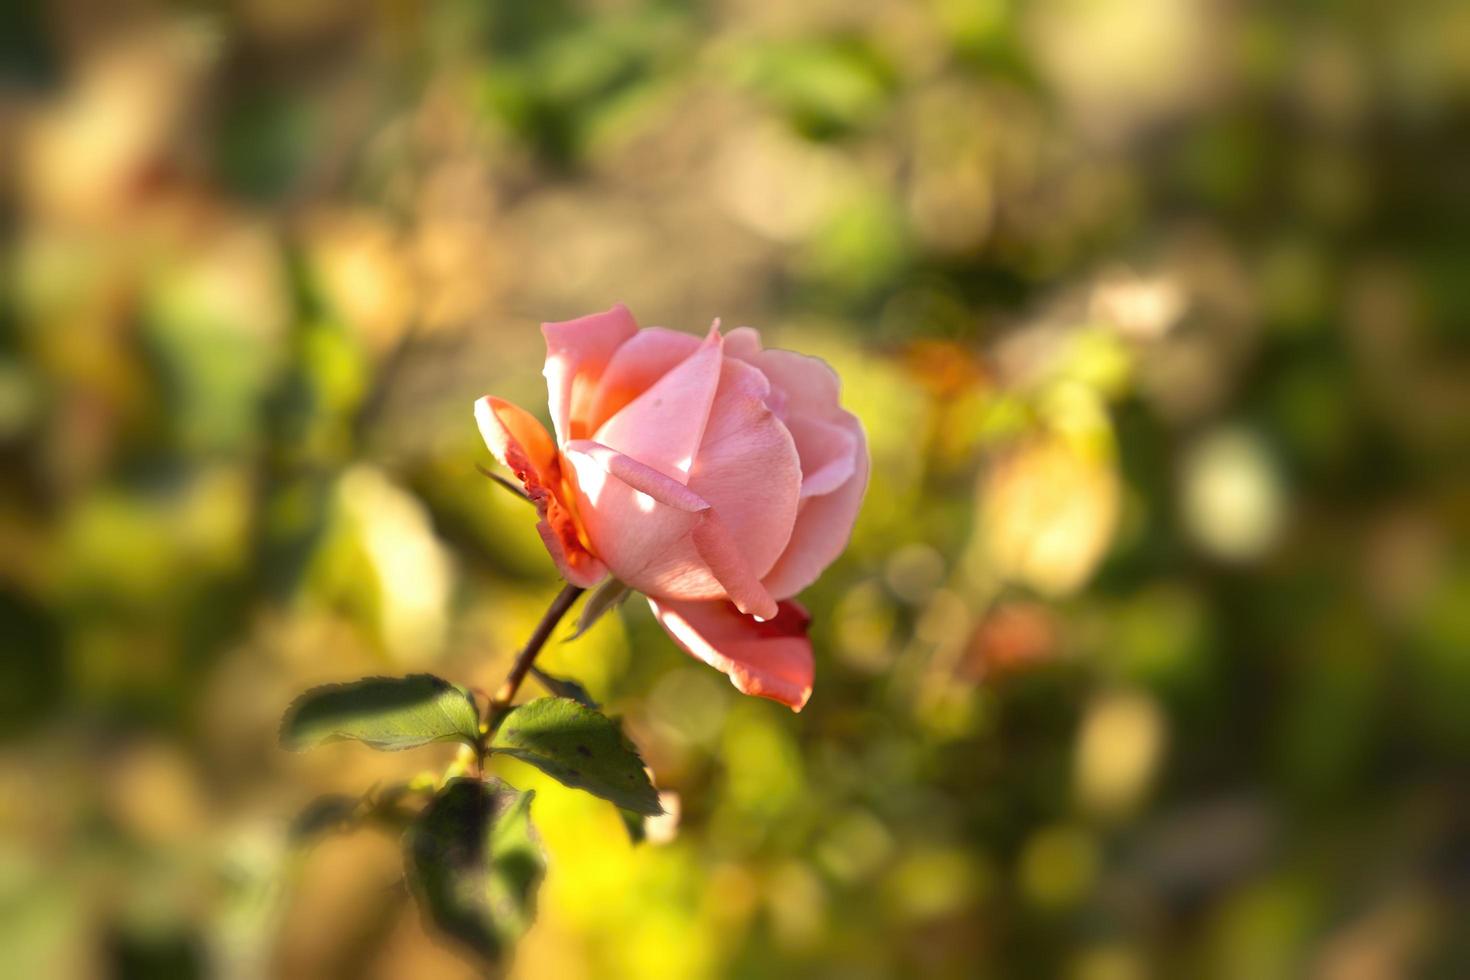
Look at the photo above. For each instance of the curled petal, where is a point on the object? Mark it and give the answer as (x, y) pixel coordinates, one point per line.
(577, 352)
(640, 477)
(523, 445)
(771, 659)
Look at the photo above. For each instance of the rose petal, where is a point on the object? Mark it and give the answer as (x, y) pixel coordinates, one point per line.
(657, 535)
(767, 659)
(523, 445)
(823, 525)
(660, 487)
(637, 365)
(645, 543)
(743, 342)
(805, 394)
(828, 454)
(515, 437)
(662, 427)
(747, 467)
(577, 351)
(808, 385)
(726, 560)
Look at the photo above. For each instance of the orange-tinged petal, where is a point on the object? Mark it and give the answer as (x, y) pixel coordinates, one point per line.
(523, 445)
(515, 436)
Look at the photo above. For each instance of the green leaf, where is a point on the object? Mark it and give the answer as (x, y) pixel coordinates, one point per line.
(578, 747)
(609, 595)
(474, 863)
(384, 712)
(564, 687)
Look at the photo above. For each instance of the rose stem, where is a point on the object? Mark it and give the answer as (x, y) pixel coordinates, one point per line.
(512, 683)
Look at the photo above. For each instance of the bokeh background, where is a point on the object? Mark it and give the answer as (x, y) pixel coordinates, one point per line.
(1151, 653)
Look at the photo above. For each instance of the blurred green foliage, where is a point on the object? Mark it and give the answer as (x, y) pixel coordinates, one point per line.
(1151, 652)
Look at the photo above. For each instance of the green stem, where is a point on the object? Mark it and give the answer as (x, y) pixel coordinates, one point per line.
(500, 704)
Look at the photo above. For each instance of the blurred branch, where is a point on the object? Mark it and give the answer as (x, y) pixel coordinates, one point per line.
(377, 397)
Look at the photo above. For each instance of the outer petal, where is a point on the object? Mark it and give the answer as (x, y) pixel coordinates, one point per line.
(770, 659)
(659, 536)
(747, 466)
(823, 525)
(664, 425)
(577, 352)
(834, 459)
(805, 393)
(522, 444)
(721, 551)
(652, 353)
(516, 438)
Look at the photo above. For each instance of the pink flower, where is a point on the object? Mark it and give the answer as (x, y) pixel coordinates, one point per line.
(717, 478)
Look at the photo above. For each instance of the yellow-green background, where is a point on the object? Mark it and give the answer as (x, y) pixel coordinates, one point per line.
(1150, 656)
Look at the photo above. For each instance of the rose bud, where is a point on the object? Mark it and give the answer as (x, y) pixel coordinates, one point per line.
(717, 478)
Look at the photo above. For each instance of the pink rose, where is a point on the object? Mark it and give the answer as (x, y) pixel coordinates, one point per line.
(716, 478)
